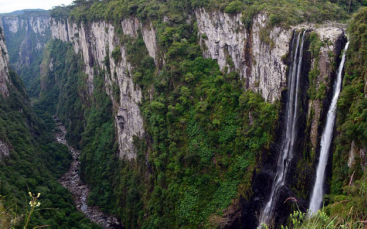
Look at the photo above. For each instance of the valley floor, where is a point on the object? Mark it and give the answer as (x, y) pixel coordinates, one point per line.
(71, 181)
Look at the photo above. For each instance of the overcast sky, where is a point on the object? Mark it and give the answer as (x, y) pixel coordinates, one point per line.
(7, 6)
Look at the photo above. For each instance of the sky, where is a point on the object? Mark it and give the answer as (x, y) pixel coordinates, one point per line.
(7, 6)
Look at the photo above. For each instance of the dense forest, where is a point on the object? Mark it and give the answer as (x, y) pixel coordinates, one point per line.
(170, 136)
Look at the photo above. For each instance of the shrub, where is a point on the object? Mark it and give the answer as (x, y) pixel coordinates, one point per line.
(116, 54)
(233, 7)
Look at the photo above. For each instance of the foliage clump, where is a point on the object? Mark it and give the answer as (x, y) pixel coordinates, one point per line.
(234, 7)
(116, 54)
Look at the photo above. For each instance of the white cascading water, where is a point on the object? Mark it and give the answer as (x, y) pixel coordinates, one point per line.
(327, 136)
(288, 141)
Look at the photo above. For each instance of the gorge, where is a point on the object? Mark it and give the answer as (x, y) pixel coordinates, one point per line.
(185, 114)
(71, 181)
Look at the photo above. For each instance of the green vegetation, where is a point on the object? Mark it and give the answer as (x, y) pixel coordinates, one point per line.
(99, 147)
(204, 144)
(234, 7)
(36, 161)
(352, 106)
(321, 220)
(345, 206)
(281, 12)
(352, 103)
(116, 55)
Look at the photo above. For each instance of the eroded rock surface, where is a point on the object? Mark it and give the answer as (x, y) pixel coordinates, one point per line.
(4, 65)
(259, 62)
(4, 150)
(96, 42)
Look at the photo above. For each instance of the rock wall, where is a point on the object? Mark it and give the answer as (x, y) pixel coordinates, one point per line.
(4, 150)
(38, 24)
(96, 42)
(4, 63)
(325, 63)
(260, 64)
(357, 152)
(26, 36)
(133, 27)
(4, 77)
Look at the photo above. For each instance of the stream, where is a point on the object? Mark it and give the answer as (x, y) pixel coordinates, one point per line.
(71, 181)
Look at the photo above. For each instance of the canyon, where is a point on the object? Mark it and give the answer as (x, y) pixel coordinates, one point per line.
(291, 68)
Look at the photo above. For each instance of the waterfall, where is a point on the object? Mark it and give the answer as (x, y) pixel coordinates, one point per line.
(289, 137)
(327, 135)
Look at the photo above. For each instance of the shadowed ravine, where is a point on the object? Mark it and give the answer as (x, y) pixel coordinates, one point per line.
(71, 181)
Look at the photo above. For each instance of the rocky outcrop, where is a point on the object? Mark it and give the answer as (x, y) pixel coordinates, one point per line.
(4, 63)
(4, 150)
(256, 53)
(59, 30)
(133, 27)
(224, 37)
(329, 36)
(38, 24)
(96, 42)
(356, 152)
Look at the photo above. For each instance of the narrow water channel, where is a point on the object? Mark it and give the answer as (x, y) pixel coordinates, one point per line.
(71, 181)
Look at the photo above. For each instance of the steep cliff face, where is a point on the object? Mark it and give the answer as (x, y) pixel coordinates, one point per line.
(26, 36)
(256, 53)
(4, 62)
(132, 27)
(227, 40)
(4, 78)
(223, 37)
(37, 24)
(97, 42)
(332, 38)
